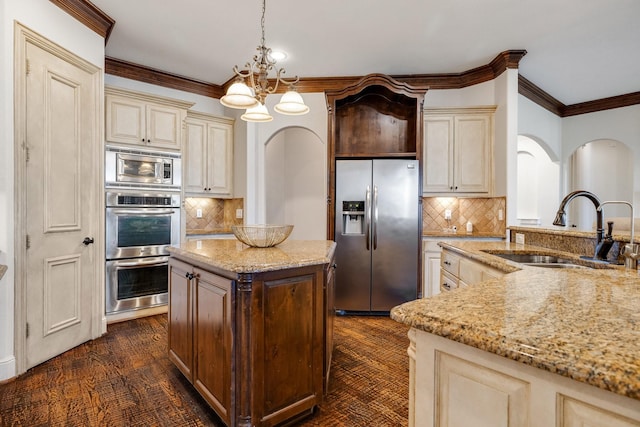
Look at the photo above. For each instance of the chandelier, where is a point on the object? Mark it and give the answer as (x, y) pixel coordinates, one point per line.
(252, 97)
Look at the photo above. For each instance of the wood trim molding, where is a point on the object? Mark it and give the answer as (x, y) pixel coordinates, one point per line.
(602, 104)
(484, 73)
(529, 90)
(88, 14)
(141, 73)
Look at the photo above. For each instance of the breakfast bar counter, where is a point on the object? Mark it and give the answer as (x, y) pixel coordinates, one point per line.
(251, 328)
(581, 324)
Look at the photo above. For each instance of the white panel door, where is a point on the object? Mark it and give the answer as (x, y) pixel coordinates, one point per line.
(61, 180)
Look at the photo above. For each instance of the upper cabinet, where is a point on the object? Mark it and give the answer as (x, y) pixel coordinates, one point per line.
(208, 155)
(458, 151)
(141, 119)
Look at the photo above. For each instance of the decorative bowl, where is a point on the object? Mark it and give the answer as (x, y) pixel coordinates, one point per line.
(261, 236)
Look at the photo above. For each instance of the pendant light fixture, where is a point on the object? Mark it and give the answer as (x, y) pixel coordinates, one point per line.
(252, 96)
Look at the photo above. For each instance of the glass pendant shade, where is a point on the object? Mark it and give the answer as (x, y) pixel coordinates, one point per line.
(291, 104)
(257, 114)
(239, 95)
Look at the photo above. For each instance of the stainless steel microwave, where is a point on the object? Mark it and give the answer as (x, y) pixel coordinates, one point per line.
(137, 168)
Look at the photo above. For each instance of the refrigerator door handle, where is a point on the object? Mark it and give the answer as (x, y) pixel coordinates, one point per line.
(367, 220)
(375, 217)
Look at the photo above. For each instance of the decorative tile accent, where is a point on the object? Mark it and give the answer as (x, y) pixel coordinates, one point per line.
(217, 214)
(481, 211)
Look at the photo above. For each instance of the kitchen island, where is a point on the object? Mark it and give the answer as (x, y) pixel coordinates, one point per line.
(251, 328)
(535, 347)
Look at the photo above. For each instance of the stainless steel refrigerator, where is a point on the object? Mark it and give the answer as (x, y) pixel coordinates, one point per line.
(377, 234)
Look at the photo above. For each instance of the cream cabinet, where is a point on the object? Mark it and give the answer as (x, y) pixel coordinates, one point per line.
(431, 260)
(142, 119)
(456, 385)
(208, 155)
(458, 271)
(458, 151)
(431, 253)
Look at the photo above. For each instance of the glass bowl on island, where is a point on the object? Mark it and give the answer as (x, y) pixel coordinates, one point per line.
(262, 235)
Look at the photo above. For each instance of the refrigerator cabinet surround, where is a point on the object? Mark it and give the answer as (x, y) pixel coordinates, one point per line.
(377, 234)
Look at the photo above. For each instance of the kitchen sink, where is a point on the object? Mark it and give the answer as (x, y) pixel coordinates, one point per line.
(547, 261)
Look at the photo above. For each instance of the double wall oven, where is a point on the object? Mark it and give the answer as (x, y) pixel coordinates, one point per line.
(142, 220)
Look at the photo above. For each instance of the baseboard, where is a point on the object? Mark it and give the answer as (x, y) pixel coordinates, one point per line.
(7, 369)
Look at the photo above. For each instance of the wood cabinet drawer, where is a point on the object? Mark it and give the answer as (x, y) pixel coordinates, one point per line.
(450, 263)
(448, 282)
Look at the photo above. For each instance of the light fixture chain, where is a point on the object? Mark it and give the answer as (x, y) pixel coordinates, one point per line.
(264, 8)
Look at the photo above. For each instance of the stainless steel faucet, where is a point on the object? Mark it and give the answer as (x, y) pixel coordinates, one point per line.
(629, 251)
(561, 215)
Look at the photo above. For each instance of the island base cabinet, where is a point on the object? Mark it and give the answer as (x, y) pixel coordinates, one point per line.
(212, 341)
(180, 336)
(455, 385)
(252, 345)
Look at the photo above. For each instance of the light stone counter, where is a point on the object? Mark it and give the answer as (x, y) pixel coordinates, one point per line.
(233, 256)
(579, 323)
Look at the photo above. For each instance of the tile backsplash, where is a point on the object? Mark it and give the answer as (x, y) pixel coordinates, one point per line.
(217, 214)
(483, 212)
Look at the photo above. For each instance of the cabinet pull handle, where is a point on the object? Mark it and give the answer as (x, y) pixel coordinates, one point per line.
(189, 276)
(446, 286)
(446, 263)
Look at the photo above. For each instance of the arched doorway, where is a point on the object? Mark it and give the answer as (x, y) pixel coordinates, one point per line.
(604, 167)
(295, 182)
(538, 183)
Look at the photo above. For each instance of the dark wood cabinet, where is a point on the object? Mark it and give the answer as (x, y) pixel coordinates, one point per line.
(212, 340)
(180, 335)
(330, 314)
(256, 346)
(377, 117)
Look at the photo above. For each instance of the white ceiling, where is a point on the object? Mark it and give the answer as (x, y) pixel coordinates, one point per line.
(577, 50)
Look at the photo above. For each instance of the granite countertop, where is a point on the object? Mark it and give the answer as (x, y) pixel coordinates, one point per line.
(581, 323)
(3, 269)
(233, 256)
(575, 232)
(461, 234)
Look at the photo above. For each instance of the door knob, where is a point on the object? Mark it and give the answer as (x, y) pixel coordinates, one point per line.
(87, 241)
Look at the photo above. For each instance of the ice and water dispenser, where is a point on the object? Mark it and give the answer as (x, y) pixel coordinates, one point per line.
(353, 217)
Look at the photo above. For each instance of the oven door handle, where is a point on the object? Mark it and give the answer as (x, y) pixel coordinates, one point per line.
(132, 264)
(143, 212)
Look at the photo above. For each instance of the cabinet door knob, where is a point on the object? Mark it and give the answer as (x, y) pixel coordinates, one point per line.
(446, 263)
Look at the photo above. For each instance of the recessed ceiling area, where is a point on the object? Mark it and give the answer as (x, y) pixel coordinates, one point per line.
(577, 50)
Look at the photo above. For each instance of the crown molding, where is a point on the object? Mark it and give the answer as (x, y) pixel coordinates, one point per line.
(129, 70)
(88, 14)
(609, 103)
(503, 61)
(529, 90)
